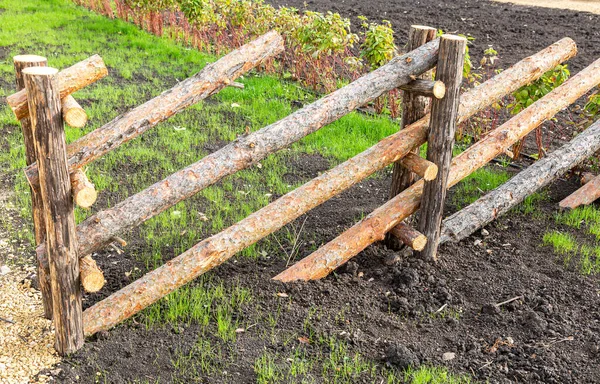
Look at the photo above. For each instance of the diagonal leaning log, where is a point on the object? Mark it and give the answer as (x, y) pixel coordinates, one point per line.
(497, 202)
(210, 80)
(220, 247)
(374, 227)
(98, 230)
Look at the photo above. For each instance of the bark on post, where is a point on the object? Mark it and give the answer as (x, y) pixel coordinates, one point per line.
(440, 141)
(43, 99)
(373, 228)
(37, 207)
(70, 80)
(84, 192)
(97, 230)
(220, 247)
(409, 236)
(497, 202)
(210, 80)
(585, 195)
(427, 88)
(73, 114)
(414, 107)
(419, 166)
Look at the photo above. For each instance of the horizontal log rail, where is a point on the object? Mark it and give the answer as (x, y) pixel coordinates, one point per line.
(585, 195)
(409, 236)
(220, 247)
(420, 166)
(428, 88)
(544, 171)
(70, 80)
(374, 227)
(210, 80)
(98, 229)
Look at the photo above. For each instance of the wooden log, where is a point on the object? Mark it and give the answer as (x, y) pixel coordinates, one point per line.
(419, 166)
(97, 230)
(43, 99)
(220, 247)
(440, 140)
(210, 80)
(84, 192)
(73, 114)
(70, 79)
(585, 195)
(544, 171)
(37, 207)
(586, 177)
(426, 88)
(409, 236)
(373, 227)
(414, 107)
(92, 278)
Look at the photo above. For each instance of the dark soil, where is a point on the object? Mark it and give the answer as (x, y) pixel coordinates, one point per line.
(395, 314)
(514, 31)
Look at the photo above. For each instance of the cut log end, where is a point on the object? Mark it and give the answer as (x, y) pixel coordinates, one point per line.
(419, 243)
(92, 278)
(73, 114)
(420, 166)
(40, 71)
(29, 59)
(409, 236)
(430, 172)
(439, 90)
(84, 192)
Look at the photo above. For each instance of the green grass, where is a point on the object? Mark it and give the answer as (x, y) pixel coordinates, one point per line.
(477, 184)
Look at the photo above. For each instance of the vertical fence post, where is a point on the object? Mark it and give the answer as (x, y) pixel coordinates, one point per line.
(413, 107)
(55, 186)
(440, 141)
(37, 210)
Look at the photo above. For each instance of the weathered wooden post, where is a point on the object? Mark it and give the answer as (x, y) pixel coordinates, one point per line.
(414, 107)
(442, 127)
(37, 209)
(44, 104)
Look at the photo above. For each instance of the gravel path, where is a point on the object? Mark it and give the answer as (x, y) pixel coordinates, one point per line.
(26, 337)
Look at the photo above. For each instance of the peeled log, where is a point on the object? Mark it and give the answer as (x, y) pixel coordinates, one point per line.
(220, 247)
(70, 80)
(92, 278)
(586, 177)
(497, 202)
(420, 166)
(84, 192)
(585, 195)
(374, 227)
(73, 114)
(210, 80)
(409, 236)
(427, 88)
(97, 230)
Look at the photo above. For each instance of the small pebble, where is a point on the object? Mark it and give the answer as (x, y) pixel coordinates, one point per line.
(448, 356)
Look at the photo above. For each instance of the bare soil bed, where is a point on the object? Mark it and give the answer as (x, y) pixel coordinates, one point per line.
(409, 313)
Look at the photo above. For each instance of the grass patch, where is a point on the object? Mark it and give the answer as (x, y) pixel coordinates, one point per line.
(477, 184)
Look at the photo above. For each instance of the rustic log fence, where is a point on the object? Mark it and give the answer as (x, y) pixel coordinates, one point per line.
(57, 180)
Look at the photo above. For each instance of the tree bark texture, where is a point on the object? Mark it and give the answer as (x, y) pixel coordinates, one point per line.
(73, 114)
(585, 195)
(43, 97)
(497, 202)
(374, 227)
(220, 247)
(419, 166)
(70, 80)
(84, 192)
(37, 207)
(97, 230)
(409, 236)
(426, 88)
(440, 141)
(414, 107)
(210, 80)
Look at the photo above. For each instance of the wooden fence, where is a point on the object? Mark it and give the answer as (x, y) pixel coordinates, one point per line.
(54, 168)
